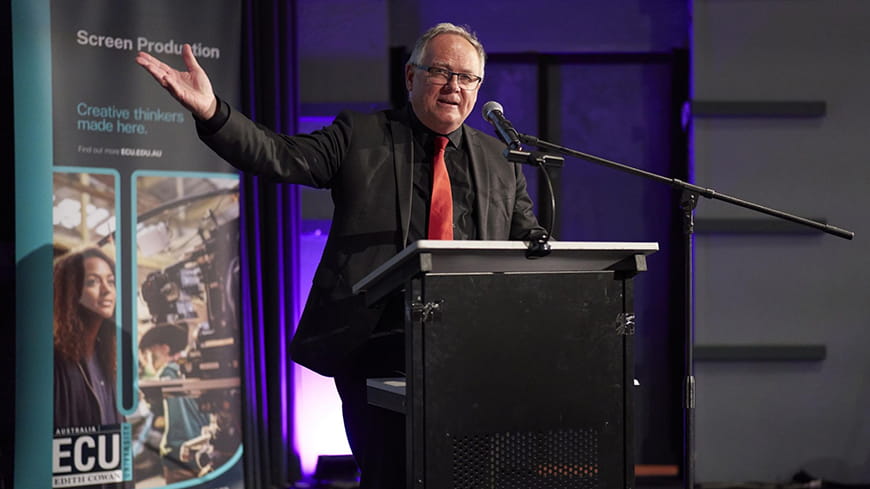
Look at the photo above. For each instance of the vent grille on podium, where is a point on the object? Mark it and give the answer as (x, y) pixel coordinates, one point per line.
(564, 459)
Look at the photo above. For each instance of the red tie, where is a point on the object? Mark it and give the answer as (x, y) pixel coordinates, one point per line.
(441, 207)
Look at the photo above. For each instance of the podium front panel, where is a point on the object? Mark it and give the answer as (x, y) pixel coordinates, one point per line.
(520, 381)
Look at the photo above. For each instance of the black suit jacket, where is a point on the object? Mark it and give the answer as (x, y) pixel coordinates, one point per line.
(366, 161)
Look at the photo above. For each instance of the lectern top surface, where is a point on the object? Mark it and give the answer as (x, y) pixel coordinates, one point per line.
(508, 256)
(481, 245)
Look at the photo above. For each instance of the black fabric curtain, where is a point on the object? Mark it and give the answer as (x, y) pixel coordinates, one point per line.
(7, 252)
(270, 222)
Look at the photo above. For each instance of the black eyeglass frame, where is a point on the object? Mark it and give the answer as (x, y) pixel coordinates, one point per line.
(435, 71)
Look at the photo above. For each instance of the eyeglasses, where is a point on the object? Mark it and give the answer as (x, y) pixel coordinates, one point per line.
(440, 76)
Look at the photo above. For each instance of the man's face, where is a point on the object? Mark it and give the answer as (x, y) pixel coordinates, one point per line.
(159, 355)
(443, 108)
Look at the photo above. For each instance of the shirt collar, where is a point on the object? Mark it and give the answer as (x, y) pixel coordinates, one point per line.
(425, 136)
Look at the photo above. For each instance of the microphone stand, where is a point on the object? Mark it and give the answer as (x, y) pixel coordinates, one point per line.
(539, 242)
(688, 202)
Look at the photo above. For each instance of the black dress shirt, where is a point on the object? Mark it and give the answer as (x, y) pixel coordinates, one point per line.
(461, 183)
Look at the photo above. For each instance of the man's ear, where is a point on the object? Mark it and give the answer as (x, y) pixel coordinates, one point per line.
(409, 77)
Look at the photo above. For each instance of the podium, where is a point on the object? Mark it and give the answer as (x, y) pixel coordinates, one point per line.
(518, 371)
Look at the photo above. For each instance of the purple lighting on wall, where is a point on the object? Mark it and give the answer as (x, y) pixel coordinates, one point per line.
(317, 421)
(318, 425)
(282, 318)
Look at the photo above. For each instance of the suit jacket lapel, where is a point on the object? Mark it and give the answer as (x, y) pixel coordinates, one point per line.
(403, 163)
(482, 187)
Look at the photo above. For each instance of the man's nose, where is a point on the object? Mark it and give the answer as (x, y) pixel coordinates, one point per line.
(452, 82)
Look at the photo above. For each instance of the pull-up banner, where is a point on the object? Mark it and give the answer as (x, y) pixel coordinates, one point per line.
(127, 251)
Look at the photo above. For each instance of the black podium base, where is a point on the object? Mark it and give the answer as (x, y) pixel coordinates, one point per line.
(519, 372)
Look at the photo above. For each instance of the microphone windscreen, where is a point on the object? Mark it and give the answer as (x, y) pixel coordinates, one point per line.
(489, 107)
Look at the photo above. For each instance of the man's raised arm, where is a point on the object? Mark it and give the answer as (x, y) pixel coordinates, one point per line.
(191, 88)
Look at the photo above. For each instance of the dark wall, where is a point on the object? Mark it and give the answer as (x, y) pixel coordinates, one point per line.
(773, 288)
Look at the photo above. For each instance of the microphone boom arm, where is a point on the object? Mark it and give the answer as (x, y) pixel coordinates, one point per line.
(687, 187)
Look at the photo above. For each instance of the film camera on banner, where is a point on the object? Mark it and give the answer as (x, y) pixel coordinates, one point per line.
(205, 278)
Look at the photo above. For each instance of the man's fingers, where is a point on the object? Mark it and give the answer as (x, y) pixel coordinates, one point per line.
(157, 69)
(156, 74)
(189, 59)
(147, 60)
(161, 76)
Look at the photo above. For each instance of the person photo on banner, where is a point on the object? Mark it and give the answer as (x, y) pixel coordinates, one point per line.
(85, 366)
(84, 340)
(178, 416)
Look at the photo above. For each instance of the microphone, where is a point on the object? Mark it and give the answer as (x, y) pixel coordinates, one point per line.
(494, 113)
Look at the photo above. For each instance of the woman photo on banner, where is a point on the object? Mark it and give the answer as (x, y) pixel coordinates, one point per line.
(84, 340)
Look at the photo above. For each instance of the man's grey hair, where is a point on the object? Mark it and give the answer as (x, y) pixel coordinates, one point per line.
(446, 28)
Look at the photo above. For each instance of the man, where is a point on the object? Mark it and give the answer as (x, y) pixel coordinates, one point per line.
(379, 168)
